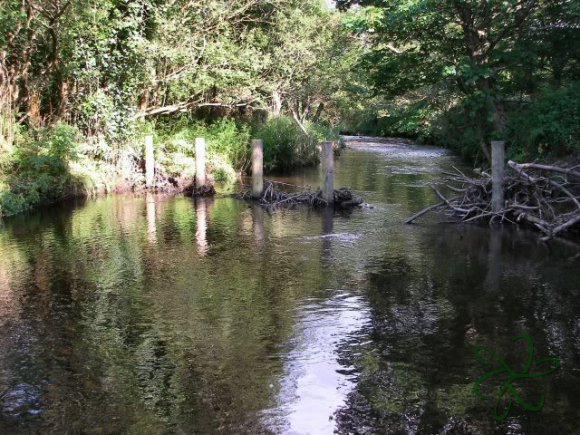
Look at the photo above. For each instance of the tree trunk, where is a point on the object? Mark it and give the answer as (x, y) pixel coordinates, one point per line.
(299, 121)
(276, 104)
(318, 113)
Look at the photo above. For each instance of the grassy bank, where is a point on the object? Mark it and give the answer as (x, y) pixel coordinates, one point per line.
(48, 165)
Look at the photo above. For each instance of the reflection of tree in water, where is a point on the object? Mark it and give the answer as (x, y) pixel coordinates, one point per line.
(416, 373)
(127, 335)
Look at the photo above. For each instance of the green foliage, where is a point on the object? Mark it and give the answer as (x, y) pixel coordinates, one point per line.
(118, 69)
(231, 140)
(46, 153)
(227, 141)
(320, 132)
(457, 130)
(37, 171)
(462, 74)
(547, 125)
(222, 170)
(544, 126)
(286, 145)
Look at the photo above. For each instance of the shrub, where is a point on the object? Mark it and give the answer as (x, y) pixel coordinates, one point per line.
(225, 139)
(37, 171)
(228, 139)
(286, 145)
(547, 125)
(222, 169)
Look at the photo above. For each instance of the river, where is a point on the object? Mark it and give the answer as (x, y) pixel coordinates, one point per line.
(171, 315)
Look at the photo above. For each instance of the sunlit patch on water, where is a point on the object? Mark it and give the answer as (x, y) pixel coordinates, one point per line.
(315, 384)
(406, 152)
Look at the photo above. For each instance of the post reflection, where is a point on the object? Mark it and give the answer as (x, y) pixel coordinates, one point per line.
(258, 225)
(327, 230)
(151, 218)
(494, 259)
(203, 208)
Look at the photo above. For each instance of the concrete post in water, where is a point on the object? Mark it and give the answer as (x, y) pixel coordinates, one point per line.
(497, 174)
(200, 175)
(149, 162)
(257, 168)
(328, 172)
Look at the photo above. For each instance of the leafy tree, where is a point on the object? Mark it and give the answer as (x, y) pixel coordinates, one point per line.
(480, 55)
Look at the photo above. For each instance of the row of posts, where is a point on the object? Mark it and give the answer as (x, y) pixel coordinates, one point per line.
(257, 166)
(497, 169)
(327, 170)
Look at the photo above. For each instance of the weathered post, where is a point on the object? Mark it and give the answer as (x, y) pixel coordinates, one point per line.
(149, 162)
(257, 167)
(328, 172)
(200, 162)
(497, 175)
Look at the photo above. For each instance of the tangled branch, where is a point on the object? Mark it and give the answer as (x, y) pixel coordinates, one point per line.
(273, 198)
(543, 196)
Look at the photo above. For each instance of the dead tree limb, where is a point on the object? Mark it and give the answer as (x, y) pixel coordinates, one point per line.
(539, 196)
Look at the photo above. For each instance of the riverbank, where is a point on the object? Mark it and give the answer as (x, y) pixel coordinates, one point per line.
(46, 166)
(36, 180)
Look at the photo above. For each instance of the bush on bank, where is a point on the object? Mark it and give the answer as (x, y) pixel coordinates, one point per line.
(286, 145)
(36, 171)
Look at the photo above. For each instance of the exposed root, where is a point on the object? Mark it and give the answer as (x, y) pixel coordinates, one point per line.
(542, 196)
(207, 190)
(273, 198)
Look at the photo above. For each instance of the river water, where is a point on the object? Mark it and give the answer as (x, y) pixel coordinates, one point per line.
(155, 315)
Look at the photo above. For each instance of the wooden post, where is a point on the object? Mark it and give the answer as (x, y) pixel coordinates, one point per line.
(149, 162)
(328, 172)
(200, 176)
(257, 168)
(497, 175)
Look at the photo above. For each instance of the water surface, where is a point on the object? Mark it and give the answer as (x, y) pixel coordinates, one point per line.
(172, 315)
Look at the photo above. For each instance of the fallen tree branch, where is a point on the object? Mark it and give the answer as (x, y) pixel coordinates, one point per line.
(566, 171)
(424, 211)
(536, 195)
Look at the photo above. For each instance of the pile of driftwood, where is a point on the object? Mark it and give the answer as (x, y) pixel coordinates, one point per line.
(545, 197)
(201, 191)
(272, 198)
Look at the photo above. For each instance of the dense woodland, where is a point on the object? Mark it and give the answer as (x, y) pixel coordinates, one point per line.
(463, 72)
(82, 81)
